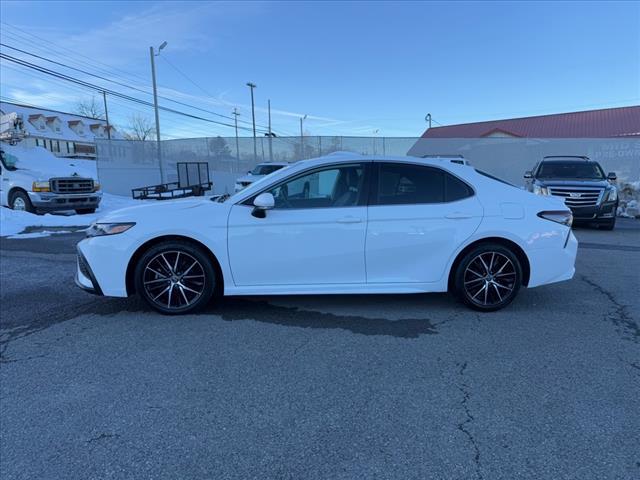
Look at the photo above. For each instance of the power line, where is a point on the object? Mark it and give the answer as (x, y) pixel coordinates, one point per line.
(116, 82)
(101, 89)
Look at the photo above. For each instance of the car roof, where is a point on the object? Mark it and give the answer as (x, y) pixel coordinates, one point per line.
(278, 164)
(567, 158)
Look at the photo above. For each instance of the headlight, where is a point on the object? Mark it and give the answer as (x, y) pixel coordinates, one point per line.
(96, 186)
(538, 190)
(611, 194)
(40, 187)
(101, 229)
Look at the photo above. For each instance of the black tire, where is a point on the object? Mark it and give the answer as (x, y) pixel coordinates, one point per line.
(163, 271)
(84, 211)
(610, 225)
(19, 200)
(488, 277)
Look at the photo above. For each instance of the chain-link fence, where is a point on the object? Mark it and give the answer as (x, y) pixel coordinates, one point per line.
(124, 164)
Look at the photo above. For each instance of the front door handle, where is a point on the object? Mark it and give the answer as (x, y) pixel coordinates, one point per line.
(349, 219)
(458, 215)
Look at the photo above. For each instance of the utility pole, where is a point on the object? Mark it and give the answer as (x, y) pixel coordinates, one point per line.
(235, 117)
(155, 105)
(253, 116)
(270, 134)
(302, 138)
(106, 114)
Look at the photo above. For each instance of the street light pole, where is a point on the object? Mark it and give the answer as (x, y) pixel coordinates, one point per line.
(253, 115)
(235, 117)
(106, 114)
(302, 137)
(152, 55)
(270, 134)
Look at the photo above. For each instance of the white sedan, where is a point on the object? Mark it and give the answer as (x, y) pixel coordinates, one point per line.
(259, 171)
(343, 223)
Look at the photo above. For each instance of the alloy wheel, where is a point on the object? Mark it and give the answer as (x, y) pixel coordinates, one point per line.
(490, 279)
(174, 280)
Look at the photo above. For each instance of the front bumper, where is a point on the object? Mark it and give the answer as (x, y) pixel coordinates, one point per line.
(51, 202)
(85, 279)
(603, 212)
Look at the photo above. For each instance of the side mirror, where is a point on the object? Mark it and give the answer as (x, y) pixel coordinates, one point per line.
(528, 174)
(262, 203)
(612, 176)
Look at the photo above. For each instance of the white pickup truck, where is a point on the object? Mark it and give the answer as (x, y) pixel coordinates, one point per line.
(34, 180)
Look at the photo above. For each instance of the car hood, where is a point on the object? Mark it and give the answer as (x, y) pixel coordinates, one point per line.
(167, 212)
(563, 182)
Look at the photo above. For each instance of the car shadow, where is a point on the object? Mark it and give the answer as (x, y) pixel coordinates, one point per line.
(234, 309)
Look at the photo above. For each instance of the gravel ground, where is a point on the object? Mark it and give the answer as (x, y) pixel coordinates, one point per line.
(388, 386)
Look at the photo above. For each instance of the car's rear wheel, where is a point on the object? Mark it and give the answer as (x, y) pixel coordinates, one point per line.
(488, 277)
(175, 277)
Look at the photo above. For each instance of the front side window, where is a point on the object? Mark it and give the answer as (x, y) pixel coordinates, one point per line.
(403, 184)
(336, 186)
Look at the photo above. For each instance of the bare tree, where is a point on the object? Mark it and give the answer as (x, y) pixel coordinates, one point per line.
(90, 108)
(139, 128)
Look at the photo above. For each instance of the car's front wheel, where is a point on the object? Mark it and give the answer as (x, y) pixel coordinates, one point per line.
(488, 277)
(175, 277)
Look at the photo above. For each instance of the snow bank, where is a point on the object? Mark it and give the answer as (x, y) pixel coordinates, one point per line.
(13, 222)
(629, 194)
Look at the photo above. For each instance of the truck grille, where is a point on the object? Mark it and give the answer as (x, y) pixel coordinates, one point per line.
(71, 185)
(578, 196)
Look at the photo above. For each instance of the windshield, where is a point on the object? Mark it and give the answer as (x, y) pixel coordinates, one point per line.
(8, 161)
(265, 169)
(586, 170)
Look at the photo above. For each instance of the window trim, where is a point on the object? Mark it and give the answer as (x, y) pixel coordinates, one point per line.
(373, 190)
(362, 198)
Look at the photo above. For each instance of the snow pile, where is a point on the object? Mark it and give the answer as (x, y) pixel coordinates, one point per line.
(38, 159)
(629, 195)
(13, 222)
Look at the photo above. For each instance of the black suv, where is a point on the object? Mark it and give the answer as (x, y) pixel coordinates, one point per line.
(586, 190)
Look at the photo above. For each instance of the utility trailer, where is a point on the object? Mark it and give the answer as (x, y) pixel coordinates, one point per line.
(193, 181)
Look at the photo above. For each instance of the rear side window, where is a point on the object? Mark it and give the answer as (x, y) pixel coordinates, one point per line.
(402, 184)
(455, 189)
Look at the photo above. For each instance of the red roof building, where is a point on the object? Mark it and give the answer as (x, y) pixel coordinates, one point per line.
(604, 123)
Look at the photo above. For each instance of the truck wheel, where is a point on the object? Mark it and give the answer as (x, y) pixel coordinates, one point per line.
(20, 201)
(83, 211)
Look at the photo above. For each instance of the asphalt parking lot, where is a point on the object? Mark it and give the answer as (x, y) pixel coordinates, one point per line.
(406, 387)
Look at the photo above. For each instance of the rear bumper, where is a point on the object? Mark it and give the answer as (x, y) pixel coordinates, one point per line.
(553, 264)
(57, 202)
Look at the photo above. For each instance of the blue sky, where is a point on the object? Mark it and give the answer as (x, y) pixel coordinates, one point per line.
(353, 68)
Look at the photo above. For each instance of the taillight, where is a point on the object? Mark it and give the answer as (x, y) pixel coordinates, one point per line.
(565, 217)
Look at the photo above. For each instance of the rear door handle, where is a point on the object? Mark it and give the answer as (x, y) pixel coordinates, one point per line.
(458, 215)
(349, 220)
